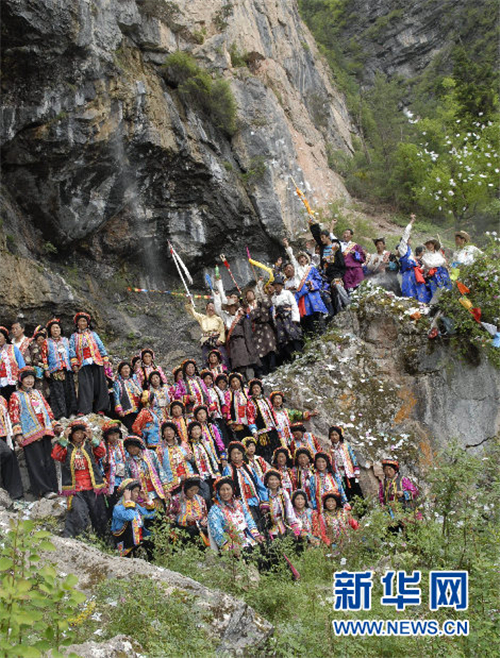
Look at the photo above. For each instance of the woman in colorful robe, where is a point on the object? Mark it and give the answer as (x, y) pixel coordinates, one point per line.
(88, 356)
(11, 362)
(258, 463)
(303, 439)
(174, 458)
(231, 525)
(215, 407)
(36, 360)
(127, 394)
(205, 462)
(308, 518)
(215, 363)
(188, 510)
(282, 520)
(283, 417)
(128, 525)
(147, 424)
(325, 480)
(282, 462)
(303, 470)
(413, 283)
(248, 486)
(236, 409)
(210, 432)
(178, 416)
(336, 521)
(82, 481)
(191, 390)
(344, 462)
(56, 363)
(142, 464)
(113, 462)
(145, 366)
(396, 488)
(9, 466)
(161, 393)
(33, 426)
(261, 420)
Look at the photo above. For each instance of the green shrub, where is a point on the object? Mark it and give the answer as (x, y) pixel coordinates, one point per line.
(483, 280)
(36, 604)
(163, 624)
(199, 90)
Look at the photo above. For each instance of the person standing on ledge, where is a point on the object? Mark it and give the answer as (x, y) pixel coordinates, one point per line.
(88, 355)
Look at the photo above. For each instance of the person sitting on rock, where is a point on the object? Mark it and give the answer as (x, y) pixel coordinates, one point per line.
(129, 516)
(188, 510)
(82, 480)
(34, 426)
(88, 356)
(9, 467)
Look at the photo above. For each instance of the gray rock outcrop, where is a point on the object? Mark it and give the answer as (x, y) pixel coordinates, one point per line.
(99, 151)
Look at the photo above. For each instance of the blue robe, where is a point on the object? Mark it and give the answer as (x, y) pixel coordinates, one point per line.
(409, 285)
(312, 298)
(441, 279)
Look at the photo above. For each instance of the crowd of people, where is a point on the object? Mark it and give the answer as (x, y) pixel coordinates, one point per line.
(226, 461)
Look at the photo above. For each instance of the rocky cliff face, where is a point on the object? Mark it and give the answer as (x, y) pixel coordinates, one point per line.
(100, 154)
(394, 391)
(399, 38)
